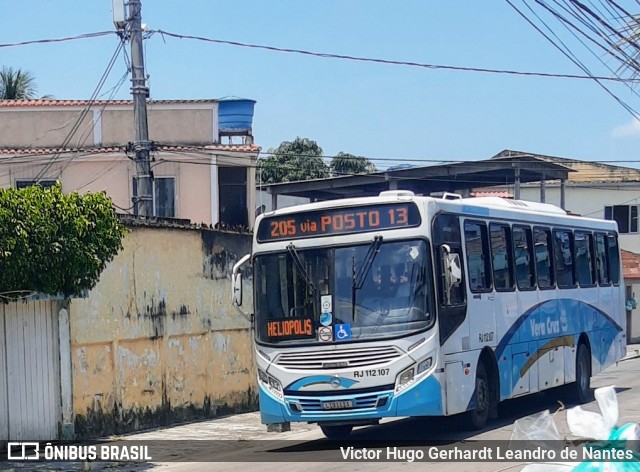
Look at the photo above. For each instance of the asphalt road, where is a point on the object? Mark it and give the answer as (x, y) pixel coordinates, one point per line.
(241, 443)
(308, 450)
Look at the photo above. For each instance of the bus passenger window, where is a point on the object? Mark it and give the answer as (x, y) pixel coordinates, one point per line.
(501, 256)
(544, 269)
(601, 260)
(563, 258)
(446, 230)
(614, 259)
(584, 258)
(477, 246)
(523, 254)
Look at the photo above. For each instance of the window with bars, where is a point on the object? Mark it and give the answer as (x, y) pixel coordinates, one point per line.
(164, 196)
(24, 183)
(625, 215)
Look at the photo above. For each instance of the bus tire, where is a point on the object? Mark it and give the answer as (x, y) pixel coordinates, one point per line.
(582, 387)
(477, 418)
(337, 431)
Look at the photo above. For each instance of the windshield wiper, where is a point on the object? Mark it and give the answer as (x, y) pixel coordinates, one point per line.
(300, 266)
(358, 279)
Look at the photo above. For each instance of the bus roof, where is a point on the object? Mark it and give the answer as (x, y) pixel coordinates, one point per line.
(479, 206)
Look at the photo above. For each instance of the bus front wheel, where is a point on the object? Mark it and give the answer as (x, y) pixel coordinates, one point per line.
(336, 431)
(477, 418)
(582, 387)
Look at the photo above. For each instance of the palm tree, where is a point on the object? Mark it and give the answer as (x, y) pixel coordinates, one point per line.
(16, 84)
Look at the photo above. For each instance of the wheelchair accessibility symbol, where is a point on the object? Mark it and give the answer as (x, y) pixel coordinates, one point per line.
(342, 332)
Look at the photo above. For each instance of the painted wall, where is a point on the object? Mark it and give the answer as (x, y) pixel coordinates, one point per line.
(157, 340)
(106, 125)
(168, 126)
(114, 172)
(45, 128)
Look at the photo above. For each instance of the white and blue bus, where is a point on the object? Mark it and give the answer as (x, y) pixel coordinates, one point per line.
(402, 305)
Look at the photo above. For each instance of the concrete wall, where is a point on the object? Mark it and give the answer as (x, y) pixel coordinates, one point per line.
(157, 341)
(168, 126)
(196, 184)
(284, 201)
(44, 128)
(111, 125)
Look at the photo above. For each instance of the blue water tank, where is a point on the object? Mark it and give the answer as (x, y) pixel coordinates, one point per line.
(235, 114)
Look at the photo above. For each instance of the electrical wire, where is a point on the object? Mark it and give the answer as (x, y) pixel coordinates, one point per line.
(575, 61)
(387, 61)
(58, 40)
(85, 110)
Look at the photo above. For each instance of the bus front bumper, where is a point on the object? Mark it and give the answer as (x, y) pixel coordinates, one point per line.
(423, 398)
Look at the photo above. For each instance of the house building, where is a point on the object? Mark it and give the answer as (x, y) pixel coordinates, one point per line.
(84, 145)
(593, 189)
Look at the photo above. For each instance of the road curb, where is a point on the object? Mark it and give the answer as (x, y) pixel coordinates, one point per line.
(632, 355)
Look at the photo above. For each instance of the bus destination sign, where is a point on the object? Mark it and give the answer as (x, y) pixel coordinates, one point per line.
(333, 221)
(290, 328)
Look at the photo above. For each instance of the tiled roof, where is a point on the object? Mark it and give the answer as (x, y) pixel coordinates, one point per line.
(250, 148)
(82, 103)
(630, 264)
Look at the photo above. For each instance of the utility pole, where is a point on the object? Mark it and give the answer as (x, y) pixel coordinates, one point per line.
(141, 146)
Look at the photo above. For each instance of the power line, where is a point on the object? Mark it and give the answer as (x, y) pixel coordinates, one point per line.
(388, 61)
(573, 59)
(58, 40)
(85, 110)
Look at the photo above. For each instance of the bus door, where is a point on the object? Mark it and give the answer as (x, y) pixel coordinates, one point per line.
(520, 350)
(452, 306)
(452, 313)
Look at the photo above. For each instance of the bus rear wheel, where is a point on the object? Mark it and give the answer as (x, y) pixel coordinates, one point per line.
(336, 431)
(582, 387)
(477, 418)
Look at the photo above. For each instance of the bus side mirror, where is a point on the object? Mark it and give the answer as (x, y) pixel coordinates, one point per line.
(452, 270)
(236, 281)
(236, 296)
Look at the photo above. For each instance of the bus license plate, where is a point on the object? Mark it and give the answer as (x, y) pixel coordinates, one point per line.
(337, 405)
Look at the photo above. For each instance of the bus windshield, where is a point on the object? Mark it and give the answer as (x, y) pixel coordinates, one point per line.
(369, 291)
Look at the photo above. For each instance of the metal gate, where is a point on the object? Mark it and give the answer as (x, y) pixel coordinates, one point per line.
(29, 371)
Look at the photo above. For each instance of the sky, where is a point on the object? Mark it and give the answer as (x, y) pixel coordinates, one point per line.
(391, 114)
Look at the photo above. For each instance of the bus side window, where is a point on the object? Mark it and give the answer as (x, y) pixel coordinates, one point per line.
(563, 258)
(501, 256)
(544, 267)
(478, 259)
(584, 258)
(452, 306)
(601, 260)
(614, 258)
(446, 230)
(523, 255)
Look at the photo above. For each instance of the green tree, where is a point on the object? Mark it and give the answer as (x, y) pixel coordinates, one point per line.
(16, 84)
(55, 243)
(300, 159)
(344, 163)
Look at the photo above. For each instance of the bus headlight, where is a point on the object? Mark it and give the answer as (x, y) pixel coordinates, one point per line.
(264, 378)
(275, 385)
(405, 378)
